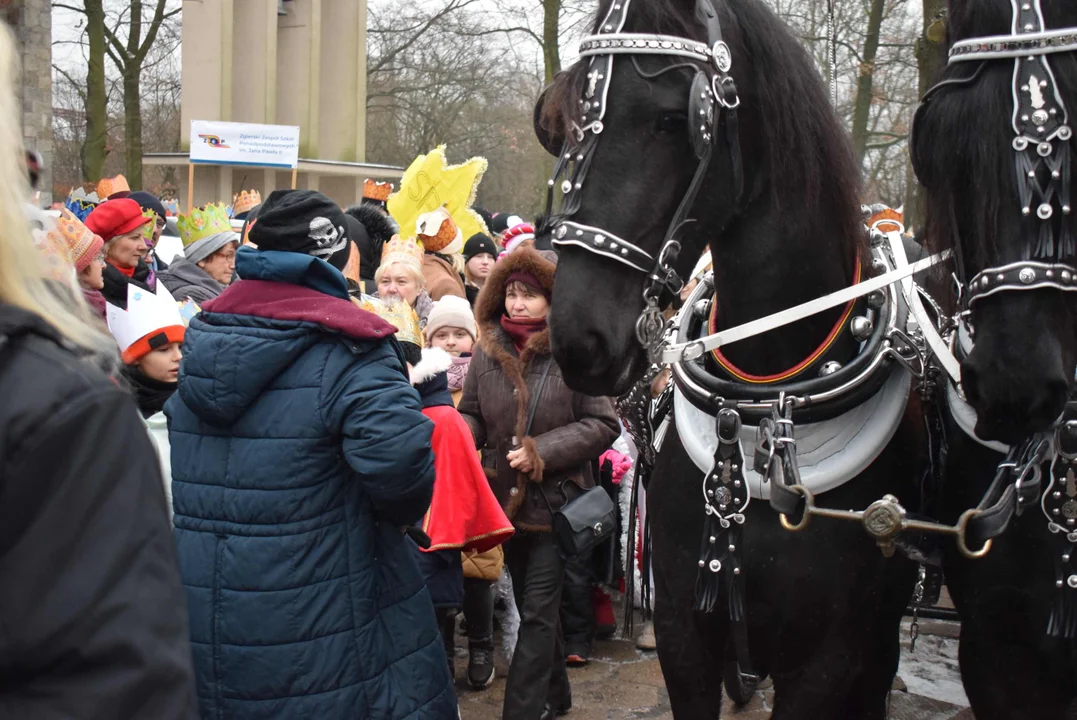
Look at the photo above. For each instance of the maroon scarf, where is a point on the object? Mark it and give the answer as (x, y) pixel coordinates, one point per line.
(522, 329)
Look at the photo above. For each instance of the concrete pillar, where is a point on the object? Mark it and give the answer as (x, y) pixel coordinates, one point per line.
(297, 64)
(207, 63)
(32, 22)
(254, 70)
(342, 92)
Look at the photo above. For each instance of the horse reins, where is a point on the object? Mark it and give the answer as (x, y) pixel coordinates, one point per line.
(711, 87)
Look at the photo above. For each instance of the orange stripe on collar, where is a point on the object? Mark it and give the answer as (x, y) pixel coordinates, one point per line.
(747, 377)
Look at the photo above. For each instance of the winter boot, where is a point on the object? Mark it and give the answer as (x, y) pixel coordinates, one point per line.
(605, 620)
(480, 663)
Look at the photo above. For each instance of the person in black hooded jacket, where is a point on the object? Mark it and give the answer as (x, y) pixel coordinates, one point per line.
(93, 622)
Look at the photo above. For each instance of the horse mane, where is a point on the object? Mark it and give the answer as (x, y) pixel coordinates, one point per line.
(962, 141)
(808, 163)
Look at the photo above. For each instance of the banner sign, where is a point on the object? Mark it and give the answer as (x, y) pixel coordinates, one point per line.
(228, 143)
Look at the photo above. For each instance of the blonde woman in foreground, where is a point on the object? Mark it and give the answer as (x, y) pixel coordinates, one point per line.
(92, 616)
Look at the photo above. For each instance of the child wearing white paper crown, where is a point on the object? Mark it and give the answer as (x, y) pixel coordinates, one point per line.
(149, 333)
(451, 327)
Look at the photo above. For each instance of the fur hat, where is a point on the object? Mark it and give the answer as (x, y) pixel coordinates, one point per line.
(380, 227)
(451, 311)
(490, 305)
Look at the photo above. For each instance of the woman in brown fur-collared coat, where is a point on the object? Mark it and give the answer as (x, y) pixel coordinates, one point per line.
(537, 471)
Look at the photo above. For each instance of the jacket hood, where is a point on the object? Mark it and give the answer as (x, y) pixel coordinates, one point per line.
(190, 274)
(490, 305)
(16, 322)
(244, 339)
(293, 268)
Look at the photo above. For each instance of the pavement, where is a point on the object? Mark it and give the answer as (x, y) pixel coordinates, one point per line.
(623, 683)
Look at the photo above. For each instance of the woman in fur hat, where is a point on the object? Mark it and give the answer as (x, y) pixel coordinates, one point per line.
(544, 437)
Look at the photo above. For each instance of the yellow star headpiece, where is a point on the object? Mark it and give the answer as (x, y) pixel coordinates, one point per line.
(429, 183)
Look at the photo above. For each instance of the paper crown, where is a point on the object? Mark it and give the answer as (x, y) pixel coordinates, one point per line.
(886, 219)
(147, 316)
(438, 233)
(81, 204)
(407, 251)
(203, 222)
(56, 256)
(79, 239)
(110, 186)
(398, 314)
(373, 190)
(245, 202)
(149, 228)
(171, 207)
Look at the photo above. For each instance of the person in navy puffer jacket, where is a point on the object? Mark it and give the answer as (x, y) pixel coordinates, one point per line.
(299, 452)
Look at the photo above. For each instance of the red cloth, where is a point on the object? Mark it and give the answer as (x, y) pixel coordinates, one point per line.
(521, 329)
(464, 513)
(129, 272)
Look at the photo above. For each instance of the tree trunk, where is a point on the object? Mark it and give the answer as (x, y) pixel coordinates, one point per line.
(930, 61)
(94, 147)
(865, 80)
(551, 53)
(132, 125)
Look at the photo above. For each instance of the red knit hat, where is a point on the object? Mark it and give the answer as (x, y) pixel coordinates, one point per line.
(116, 217)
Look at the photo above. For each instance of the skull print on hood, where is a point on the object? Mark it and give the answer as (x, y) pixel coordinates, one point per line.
(300, 221)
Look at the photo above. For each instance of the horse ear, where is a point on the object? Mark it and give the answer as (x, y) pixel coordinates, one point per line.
(551, 140)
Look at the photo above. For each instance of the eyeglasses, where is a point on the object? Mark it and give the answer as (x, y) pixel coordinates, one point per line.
(161, 222)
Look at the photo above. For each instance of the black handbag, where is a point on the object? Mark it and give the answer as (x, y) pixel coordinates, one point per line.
(584, 522)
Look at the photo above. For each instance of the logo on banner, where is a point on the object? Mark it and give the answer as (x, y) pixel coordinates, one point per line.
(215, 141)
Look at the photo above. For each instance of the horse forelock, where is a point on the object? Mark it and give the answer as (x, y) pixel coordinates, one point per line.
(810, 171)
(963, 136)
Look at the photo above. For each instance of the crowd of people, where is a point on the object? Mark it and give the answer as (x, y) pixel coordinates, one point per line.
(277, 474)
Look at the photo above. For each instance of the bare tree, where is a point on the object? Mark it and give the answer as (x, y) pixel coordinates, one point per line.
(128, 34)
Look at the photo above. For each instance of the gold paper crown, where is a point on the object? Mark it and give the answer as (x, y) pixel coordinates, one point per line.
(398, 314)
(245, 201)
(149, 228)
(203, 222)
(436, 238)
(406, 251)
(887, 219)
(373, 190)
(110, 186)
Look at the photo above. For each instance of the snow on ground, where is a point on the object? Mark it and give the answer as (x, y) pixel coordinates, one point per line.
(932, 670)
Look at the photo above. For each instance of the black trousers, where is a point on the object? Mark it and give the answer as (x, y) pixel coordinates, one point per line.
(537, 674)
(577, 606)
(479, 610)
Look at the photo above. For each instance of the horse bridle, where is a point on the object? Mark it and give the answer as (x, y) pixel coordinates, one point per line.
(711, 87)
(1042, 133)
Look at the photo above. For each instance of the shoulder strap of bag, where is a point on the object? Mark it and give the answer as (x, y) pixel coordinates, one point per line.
(535, 396)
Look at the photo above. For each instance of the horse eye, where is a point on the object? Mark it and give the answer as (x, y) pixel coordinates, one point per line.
(672, 122)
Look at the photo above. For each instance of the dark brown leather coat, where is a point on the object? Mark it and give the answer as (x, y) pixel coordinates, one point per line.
(570, 429)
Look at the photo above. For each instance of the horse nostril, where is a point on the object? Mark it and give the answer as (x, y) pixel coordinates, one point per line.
(1049, 406)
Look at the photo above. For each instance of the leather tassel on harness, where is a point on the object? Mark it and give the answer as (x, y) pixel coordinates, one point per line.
(1060, 506)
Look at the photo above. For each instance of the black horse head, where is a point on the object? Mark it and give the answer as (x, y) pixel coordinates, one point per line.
(985, 198)
(783, 231)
